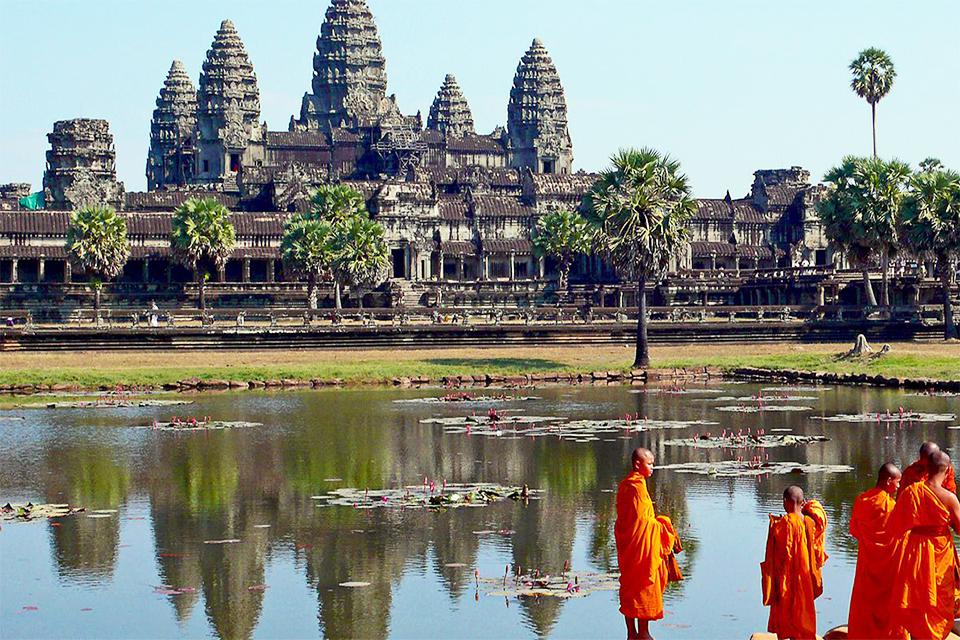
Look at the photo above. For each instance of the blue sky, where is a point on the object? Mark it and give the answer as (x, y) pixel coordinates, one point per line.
(725, 86)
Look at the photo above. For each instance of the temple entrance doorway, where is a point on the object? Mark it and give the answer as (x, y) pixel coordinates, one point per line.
(399, 263)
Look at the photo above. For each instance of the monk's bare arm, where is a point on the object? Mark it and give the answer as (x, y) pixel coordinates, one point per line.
(953, 504)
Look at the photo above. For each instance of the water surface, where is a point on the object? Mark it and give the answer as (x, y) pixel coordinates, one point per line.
(97, 577)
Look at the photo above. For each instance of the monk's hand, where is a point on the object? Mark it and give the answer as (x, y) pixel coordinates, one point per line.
(677, 545)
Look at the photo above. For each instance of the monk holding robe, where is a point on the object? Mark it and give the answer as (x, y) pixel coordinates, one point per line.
(918, 471)
(646, 544)
(869, 607)
(924, 578)
(791, 571)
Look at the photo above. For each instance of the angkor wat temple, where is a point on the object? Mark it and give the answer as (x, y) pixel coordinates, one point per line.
(458, 205)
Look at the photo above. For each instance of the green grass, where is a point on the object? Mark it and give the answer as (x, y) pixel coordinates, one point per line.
(893, 365)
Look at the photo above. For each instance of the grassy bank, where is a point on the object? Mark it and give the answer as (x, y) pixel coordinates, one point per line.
(92, 369)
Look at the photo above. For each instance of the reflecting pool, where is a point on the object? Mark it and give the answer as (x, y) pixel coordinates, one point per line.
(217, 532)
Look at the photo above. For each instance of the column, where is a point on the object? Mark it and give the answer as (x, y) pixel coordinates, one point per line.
(438, 276)
(222, 274)
(246, 270)
(169, 271)
(713, 262)
(542, 267)
(821, 295)
(408, 254)
(15, 271)
(67, 271)
(41, 269)
(486, 267)
(271, 270)
(460, 268)
(146, 270)
(513, 266)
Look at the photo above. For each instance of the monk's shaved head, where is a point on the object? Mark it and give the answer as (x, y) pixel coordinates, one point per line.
(640, 454)
(793, 494)
(939, 462)
(642, 461)
(888, 471)
(927, 449)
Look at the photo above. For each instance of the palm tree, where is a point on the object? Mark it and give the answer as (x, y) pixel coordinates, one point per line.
(931, 227)
(97, 244)
(361, 257)
(861, 213)
(337, 203)
(307, 250)
(640, 209)
(562, 235)
(202, 236)
(873, 76)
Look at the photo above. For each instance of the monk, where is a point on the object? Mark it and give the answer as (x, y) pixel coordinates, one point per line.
(925, 562)
(791, 571)
(869, 607)
(917, 472)
(646, 544)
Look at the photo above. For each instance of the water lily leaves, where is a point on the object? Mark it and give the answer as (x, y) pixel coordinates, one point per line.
(104, 404)
(745, 468)
(30, 512)
(570, 584)
(227, 541)
(746, 441)
(759, 408)
(452, 495)
(466, 398)
(888, 417)
(354, 584)
(190, 426)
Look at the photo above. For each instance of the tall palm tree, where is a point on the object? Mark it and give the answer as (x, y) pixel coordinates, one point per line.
(337, 203)
(861, 213)
(873, 76)
(307, 250)
(931, 227)
(202, 236)
(562, 235)
(97, 245)
(361, 256)
(640, 209)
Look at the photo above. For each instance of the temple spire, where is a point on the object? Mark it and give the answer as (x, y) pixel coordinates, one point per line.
(450, 113)
(170, 158)
(537, 115)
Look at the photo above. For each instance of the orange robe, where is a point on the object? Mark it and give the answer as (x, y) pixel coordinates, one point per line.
(645, 547)
(917, 472)
(869, 610)
(924, 564)
(791, 572)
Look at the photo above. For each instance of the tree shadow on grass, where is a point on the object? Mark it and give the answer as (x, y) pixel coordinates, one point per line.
(512, 364)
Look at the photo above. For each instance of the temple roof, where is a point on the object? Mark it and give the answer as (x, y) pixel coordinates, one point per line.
(228, 81)
(450, 112)
(176, 104)
(537, 103)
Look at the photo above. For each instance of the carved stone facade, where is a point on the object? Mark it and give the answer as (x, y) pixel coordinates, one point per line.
(537, 116)
(450, 114)
(81, 165)
(170, 160)
(228, 133)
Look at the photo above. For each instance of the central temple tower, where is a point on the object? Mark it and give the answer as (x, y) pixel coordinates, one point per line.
(349, 73)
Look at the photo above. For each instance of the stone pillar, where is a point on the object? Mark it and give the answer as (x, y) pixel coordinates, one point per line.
(620, 298)
(542, 267)
(41, 269)
(15, 271)
(439, 274)
(460, 268)
(246, 270)
(410, 255)
(513, 266)
(146, 270)
(271, 270)
(713, 262)
(67, 272)
(486, 267)
(821, 295)
(222, 274)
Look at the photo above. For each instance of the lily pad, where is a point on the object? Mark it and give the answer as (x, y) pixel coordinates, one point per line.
(195, 426)
(738, 468)
(104, 404)
(797, 388)
(570, 584)
(466, 398)
(428, 496)
(758, 408)
(30, 512)
(889, 417)
(354, 584)
(748, 441)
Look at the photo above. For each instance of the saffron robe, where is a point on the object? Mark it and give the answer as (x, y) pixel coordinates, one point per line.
(645, 546)
(791, 571)
(869, 608)
(917, 472)
(923, 584)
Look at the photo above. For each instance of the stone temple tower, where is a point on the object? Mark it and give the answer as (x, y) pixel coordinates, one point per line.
(170, 159)
(349, 72)
(81, 166)
(537, 116)
(228, 134)
(450, 113)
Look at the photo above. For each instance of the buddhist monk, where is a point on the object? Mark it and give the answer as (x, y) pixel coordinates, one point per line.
(917, 472)
(869, 608)
(925, 562)
(646, 544)
(791, 571)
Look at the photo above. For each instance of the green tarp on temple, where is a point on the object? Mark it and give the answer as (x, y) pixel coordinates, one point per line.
(33, 201)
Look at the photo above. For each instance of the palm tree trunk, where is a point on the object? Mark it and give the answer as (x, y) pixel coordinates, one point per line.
(563, 283)
(203, 292)
(642, 359)
(868, 288)
(96, 303)
(885, 282)
(949, 327)
(312, 292)
(873, 120)
(336, 292)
